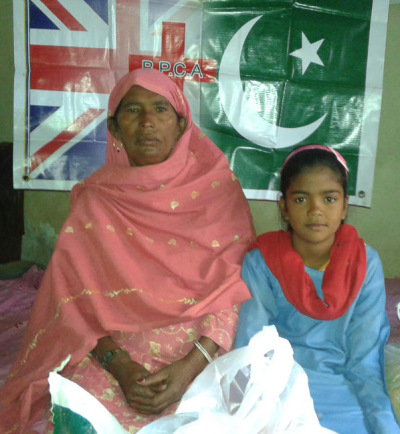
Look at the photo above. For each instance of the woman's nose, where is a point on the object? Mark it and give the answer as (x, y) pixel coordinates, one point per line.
(146, 118)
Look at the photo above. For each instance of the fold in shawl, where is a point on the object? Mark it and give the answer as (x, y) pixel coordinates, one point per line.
(342, 279)
(142, 247)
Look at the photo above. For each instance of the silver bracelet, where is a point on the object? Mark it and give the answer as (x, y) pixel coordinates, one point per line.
(203, 351)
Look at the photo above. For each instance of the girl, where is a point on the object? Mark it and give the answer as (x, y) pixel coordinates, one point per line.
(323, 289)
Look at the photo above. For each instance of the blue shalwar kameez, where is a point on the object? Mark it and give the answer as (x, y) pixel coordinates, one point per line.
(343, 358)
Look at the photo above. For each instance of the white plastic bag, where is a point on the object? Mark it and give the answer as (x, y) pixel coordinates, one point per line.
(392, 375)
(255, 389)
(76, 411)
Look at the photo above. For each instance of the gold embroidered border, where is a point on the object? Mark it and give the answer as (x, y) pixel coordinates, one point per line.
(86, 292)
(13, 429)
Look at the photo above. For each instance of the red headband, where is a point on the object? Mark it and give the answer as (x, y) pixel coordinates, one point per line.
(339, 158)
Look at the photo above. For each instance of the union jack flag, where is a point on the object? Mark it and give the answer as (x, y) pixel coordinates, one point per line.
(68, 56)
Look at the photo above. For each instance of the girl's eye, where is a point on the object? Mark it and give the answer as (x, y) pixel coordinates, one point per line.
(300, 199)
(330, 199)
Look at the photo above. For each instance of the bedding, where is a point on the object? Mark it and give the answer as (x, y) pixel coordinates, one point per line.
(392, 300)
(16, 298)
(18, 291)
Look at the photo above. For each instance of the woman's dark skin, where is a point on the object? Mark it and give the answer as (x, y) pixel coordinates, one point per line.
(148, 127)
(152, 393)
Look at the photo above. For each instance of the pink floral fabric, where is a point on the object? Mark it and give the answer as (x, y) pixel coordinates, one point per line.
(154, 349)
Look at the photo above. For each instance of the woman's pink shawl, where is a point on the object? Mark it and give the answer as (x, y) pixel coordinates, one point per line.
(142, 247)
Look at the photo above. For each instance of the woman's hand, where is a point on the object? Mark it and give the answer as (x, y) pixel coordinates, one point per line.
(171, 382)
(168, 385)
(129, 374)
(152, 393)
(124, 370)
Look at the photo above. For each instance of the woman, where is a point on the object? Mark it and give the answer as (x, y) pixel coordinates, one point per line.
(146, 271)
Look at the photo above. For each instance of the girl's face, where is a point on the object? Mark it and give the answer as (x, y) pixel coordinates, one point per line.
(315, 206)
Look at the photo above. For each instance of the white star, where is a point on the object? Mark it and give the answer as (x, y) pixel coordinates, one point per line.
(308, 52)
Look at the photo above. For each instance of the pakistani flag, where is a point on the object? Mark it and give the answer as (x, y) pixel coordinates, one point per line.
(261, 77)
(292, 74)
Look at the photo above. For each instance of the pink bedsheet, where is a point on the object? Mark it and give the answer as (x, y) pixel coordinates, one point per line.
(16, 298)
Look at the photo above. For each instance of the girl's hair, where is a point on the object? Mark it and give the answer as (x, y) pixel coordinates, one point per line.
(309, 156)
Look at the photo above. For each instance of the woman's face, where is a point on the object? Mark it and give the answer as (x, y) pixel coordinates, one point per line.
(147, 126)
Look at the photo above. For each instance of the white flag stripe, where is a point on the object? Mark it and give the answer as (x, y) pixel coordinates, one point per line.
(71, 106)
(67, 146)
(97, 34)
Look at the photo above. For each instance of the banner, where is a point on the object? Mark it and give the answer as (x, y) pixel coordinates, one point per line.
(261, 78)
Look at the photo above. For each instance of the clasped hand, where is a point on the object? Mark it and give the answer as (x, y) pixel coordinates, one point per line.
(152, 393)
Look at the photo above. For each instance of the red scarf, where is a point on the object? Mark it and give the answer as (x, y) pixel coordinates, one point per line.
(342, 279)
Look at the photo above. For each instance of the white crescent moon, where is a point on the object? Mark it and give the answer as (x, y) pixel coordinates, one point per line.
(241, 112)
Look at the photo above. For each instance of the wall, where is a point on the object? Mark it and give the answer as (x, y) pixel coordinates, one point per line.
(379, 225)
